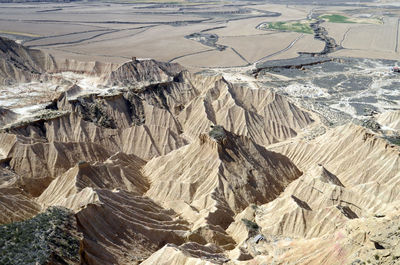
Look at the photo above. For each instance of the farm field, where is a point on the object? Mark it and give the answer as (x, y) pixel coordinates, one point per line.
(249, 32)
(273, 43)
(373, 37)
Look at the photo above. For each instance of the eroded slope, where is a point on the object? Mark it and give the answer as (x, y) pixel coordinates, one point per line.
(162, 166)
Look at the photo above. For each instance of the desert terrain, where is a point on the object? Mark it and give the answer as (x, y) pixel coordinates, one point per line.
(193, 132)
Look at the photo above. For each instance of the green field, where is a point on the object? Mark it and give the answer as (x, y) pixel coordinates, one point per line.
(337, 19)
(302, 27)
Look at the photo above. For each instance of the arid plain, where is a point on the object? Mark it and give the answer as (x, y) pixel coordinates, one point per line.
(114, 32)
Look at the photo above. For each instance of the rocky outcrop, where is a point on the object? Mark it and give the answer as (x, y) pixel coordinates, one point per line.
(322, 200)
(390, 119)
(37, 164)
(137, 73)
(221, 177)
(356, 243)
(120, 172)
(111, 212)
(190, 253)
(160, 166)
(19, 64)
(15, 203)
(259, 114)
(92, 69)
(121, 227)
(351, 153)
(6, 116)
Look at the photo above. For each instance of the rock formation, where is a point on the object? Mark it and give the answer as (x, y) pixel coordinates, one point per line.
(6, 116)
(390, 120)
(19, 64)
(157, 165)
(221, 175)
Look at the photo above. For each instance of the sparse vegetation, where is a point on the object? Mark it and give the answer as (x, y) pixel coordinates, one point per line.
(206, 39)
(41, 116)
(371, 124)
(301, 27)
(394, 140)
(40, 240)
(251, 226)
(93, 110)
(217, 132)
